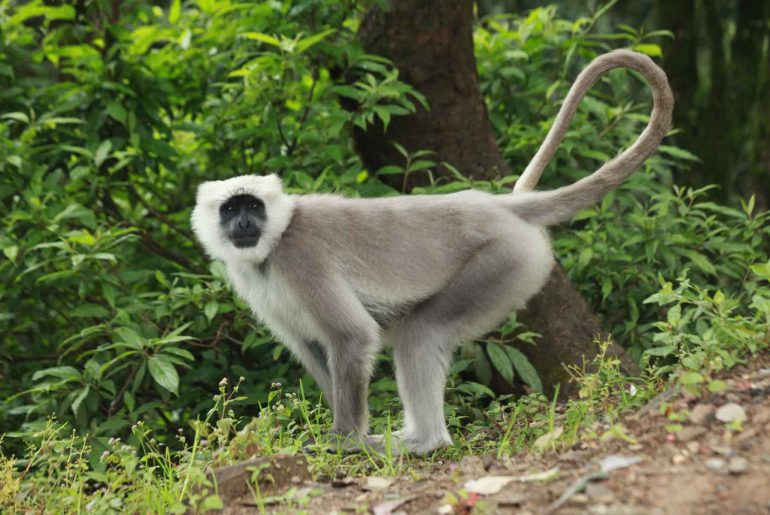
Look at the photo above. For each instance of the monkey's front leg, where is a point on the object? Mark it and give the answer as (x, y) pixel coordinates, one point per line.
(351, 367)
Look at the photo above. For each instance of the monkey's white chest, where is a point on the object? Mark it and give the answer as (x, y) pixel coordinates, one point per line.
(273, 303)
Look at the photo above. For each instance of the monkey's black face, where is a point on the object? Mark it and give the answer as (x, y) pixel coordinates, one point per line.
(242, 218)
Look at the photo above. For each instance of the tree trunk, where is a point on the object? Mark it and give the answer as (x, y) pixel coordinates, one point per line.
(430, 42)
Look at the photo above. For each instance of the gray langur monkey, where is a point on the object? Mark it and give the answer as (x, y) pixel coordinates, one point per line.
(333, 277)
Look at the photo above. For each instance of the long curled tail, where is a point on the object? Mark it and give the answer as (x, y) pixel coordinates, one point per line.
(551, 207)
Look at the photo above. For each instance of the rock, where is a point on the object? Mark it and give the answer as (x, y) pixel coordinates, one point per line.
(487, 485)
(702, 414)
(512, 499)
(377, 483)
(733, 398)
(580, 499)
(617, 461)
(599, 493)
(738, 465)
(761, 416)
(690, 433)
(276, 473)
(678, 459)
(731, 412)
(343, 482)
(548, 439)
(716, 464)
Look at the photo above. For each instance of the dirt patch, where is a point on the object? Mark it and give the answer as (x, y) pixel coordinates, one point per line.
(713, 457)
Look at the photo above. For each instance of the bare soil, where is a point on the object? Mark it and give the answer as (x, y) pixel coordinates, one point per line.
(709, 466)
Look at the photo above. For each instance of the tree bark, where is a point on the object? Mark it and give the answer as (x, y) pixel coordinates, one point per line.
(430, 42)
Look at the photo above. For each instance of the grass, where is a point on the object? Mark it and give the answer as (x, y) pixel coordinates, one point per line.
(148, 476)
(704, 332)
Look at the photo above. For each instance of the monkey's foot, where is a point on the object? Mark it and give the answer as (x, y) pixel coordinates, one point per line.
(402, 443)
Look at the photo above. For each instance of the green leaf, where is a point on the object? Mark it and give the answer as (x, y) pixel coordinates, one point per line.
(699, 260)
(390, 170)
(102, 152)
(211, 310)
(80, 398)
(691, 378)
(475, 389)
(524, 368)
(500, 361)
(64, 372)
(212, 502)
(164, 373)
(174, 11)
(130, 337)
(17, 115)
(306, 43)
(179, 352)
(650, 49)
(264, 38)
(717, 386)
(89, 310)
(663, 351)
(678, 152)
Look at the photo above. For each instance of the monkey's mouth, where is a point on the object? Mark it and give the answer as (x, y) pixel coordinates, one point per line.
(243, 242)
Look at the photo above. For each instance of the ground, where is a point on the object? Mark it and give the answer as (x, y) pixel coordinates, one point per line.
(679, 454)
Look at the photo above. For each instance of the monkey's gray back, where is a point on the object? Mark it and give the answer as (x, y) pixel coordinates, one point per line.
(395, 252)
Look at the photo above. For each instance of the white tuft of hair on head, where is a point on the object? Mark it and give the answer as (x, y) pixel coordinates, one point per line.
(279, 208)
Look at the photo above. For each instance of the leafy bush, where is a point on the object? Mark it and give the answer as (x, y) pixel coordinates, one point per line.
(113, 114)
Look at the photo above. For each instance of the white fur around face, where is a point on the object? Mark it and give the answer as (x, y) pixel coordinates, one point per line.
(279, 208)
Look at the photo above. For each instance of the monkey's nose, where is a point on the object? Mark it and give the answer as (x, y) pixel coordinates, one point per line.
(243, 223)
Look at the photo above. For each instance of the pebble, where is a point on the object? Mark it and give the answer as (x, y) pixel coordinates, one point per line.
(377, 483)
(731, 412)
(580, 499)
(690, 433)
(599, 493)
(702, 414)
(678, 459)
(738, 465)
(716, 464)
(762, 416)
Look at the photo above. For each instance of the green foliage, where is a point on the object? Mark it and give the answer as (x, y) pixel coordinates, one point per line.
(113, 113)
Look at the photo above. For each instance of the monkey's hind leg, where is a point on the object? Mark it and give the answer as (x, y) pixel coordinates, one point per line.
(499, 278)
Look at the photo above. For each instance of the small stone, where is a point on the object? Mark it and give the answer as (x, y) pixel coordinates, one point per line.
(580, 499)
(716, 464)
(738, 465)
(693, 447)
(599, 493)
(377, 483)
(731, 412)
(678, 459)
(635, 447)
(761, 416)
(547, 440)
(343, 482)
(727, 452)
(690, 433)
(702, 414)
(731, 397)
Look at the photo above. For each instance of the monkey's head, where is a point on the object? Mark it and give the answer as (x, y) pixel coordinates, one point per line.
(241, 218)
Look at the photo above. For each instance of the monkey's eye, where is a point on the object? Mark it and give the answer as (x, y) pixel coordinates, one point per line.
(254, 205)
(229, 208)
